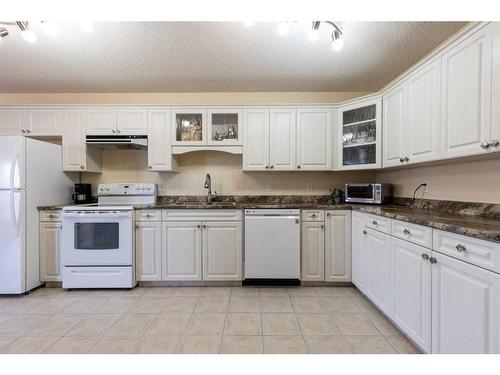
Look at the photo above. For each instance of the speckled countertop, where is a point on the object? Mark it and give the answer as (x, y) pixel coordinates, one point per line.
(480, 221)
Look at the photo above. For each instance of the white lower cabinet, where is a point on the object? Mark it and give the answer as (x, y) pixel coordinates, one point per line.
(338, 246)
(313, 251)
(359, 252)
(465, 307)
(148, 251)
(181, 251)
(50, 251)
(222, 251)
(411, 280)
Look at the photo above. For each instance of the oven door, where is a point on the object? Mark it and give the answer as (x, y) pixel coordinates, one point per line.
(361, 193)
(97, 238)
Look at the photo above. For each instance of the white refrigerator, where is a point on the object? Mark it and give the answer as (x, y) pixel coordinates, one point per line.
(30, 176)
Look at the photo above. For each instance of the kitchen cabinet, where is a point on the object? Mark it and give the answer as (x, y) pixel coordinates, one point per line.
(359, 252)
(282, 139)
(43, 122)
(338, 246)
(466, 95)
(256, 139)
(50, 247)
(411, 280)
(181, 251)
(224, 127)
(314, 139)
(465, 307)
(360, 134)
(101, 121)
(313, 251)
(159, 140)
(12, 121)
(148, 251)
(189, 127)
(222, 251)
(495, 90)
(394, 123)
(379, 280)
(76, 155)
(132, 121)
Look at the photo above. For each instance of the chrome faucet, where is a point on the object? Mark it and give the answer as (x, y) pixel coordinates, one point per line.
(208, 185)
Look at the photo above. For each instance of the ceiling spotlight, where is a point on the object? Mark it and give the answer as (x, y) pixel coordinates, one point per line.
(50, 28)
(3, 32)
(283, 28)
(338, 42)
(86, 26)
(248, 23)
(26, 33)
(313, 34)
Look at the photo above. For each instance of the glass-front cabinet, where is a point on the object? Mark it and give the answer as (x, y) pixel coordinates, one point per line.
(189, 126)
(224, 127)
(360, 135)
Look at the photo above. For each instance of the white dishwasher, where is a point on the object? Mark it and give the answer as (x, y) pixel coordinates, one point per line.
(272, 247)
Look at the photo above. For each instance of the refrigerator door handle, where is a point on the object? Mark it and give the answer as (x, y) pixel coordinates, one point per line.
(14, 165)
(15, 220)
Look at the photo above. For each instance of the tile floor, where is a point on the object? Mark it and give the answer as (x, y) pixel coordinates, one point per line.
(197, 320)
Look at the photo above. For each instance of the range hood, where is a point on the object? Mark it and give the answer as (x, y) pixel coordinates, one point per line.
(118, 142)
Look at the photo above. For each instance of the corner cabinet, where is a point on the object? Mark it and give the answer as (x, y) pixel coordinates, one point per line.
(359, 135)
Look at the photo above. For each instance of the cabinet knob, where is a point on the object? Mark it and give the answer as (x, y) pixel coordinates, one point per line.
(425, 256)
(27, 131)
(460, 248)
(374, 222)
(22, 131)
(298, 166)
(113, 131)
(322, 226)
(267, 166)
(407, 159)
(494, 143)
(118, 131)
(204, 226)
(406, 231)
(272, 166)
(150, 167)
(313, 215)
(485, 145)
(327, 214)
(365, 232)
(433, 260)
(82, 167)
(401, 160)
(198, 226)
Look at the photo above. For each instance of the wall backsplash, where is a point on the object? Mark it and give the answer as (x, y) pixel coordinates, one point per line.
(226, 171)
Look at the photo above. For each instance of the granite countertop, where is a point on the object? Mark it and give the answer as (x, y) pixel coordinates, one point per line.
(54, 207)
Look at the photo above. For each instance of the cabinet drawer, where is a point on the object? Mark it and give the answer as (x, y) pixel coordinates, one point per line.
(418, 234)
(382, 224)
(208, 214)
(50, 215)
(313, 215)
(481, 253)
(148, 215)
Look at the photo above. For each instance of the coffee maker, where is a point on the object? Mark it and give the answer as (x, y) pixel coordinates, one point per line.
(82, 194)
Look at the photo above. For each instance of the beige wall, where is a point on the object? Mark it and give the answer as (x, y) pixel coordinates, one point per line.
(185, 98)
(226, 172)
(470, 181)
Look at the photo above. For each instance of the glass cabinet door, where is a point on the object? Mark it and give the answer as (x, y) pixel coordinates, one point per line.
(360, 136)
(189, 127)
(224, 127)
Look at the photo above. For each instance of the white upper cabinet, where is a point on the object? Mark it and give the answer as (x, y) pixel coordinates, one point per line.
(12, 121)
(159, 140)
(43, 122)
(132, 121)
(256, 139)
(282, 139)
(495, 93)
(466, 95)
(394, 122)
(224, 127)
(101, 121)
(189, 127)
(359, 135)
(314, 139)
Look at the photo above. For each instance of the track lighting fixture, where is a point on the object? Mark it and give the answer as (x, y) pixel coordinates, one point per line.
(26, 33)
(3, 32)
(49, 28)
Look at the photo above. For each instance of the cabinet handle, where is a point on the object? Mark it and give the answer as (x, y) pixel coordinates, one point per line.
(485, 145)
(327, 214)
(272, 166)
(374, 222)
(401, 160)
(22, 131)
(113, 131)
(433, 260)
(407, 159)
(322, 226)
(406, 232)
(27, 131)
(425, 256)
(118, 131)
(204, 226)
(313, 215)
(365, 232)
(150, 167)
(267, 166)
(460, 248)
(198, 226)
(149, 215)
(298, 166)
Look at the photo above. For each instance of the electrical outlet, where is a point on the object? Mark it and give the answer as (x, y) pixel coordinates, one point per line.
(309, 186)
(426, 187)
(269, 186)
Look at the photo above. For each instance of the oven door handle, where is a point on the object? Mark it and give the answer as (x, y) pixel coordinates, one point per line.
(95, 216)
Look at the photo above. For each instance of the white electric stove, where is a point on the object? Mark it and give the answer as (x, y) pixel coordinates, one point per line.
(98, 239)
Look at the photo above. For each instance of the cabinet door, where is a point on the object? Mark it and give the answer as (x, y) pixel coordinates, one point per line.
(50, 251)
(189, 126)
(465, 307)
(421, 135)
(159, 140)
(132, 121)
(256, 139)
(466, 95)
(314, 139)
(148, 251)
(224, 127)
(394, 122)
(379, 283)
(495, 93)
(360, 267)
(338, 246)
(43, 122)
(101, 121)
(222, 254)
(412, 291)
(73, 140)
(282, 139)
(181, 251)
(12, 121)
(313, 251)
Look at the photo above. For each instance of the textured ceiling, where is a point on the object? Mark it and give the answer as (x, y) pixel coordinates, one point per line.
(214, 56)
